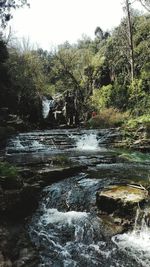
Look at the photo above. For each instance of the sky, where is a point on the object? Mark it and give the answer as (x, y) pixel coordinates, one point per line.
(48, 23)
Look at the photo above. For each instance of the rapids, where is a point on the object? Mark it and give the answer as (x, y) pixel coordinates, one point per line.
(66, 227)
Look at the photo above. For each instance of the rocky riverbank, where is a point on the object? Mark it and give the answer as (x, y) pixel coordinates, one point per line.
(39, 162)
(16, 249)
(121, 202)
(136, 134)
(19, 197)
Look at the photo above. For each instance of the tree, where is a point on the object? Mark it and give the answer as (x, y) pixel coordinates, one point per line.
(145, 4)
(130, 38)
(100, 34)
(6, 7)
(27, 83)
(4, 77)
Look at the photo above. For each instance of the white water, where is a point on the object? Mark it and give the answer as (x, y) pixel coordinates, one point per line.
(22, 146)
(57, 217)
(69, 238)
(47, 105)
(88, 142)
(137, 242)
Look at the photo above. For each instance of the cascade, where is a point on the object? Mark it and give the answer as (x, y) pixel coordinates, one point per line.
(88, 142)
(137, 242)
(66, 227)
(47, 105)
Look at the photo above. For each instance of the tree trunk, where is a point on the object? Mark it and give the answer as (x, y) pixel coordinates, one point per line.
(130, 39)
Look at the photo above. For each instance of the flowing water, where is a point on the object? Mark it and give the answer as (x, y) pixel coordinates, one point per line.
(66, 227)
(47, 105)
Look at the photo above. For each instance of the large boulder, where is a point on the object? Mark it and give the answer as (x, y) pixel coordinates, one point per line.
(121, 200)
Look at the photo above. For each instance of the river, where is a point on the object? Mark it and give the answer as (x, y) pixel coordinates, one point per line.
(66, 227)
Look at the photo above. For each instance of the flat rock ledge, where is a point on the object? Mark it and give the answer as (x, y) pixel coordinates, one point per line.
(121, 200)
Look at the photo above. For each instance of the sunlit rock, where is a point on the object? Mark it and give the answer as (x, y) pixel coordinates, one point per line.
(121, 200)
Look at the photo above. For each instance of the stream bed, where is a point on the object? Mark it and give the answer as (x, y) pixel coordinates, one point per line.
(66, 227)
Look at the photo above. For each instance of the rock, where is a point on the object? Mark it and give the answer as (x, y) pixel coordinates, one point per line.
(16, 248)
(121, 200)
(27, 257)
(111, 226)
(5, 132)
(4, 262)
(50, 175)
(11, 183)
(19, 203)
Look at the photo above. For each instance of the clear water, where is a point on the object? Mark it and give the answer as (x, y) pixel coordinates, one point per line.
(66, 228)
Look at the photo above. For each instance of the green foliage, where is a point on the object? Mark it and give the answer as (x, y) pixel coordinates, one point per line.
(50, 89)
(98, 71)
(120, 95)
(28, 82)
(101, 98)
(135, 156)
(107, 118)
(9, 178)
(4, 76)
(7, 170)
(134, 123)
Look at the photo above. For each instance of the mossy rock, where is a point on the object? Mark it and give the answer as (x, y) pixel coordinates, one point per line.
(61, 160)
(121, 200)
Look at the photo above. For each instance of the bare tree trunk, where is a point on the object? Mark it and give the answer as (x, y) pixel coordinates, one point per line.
(130, 39)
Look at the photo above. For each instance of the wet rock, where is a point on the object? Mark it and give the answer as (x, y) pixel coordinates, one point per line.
(11, 183)
(16, 248)
(112, 226)
(4, 262)
(121, 200)
(49, 174)
(27, 258)
(19, 203)
(9, 201)
(5, 132)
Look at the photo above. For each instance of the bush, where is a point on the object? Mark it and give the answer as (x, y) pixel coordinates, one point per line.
(139, 121)
(101, 97)
(9, 178)
(8, 170)
(107, 118)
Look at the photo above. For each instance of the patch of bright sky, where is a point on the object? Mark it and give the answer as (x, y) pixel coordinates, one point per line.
(48, 23)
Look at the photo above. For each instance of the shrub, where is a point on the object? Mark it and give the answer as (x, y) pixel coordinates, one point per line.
(102, 97)
(9, 178)
(107, 118)
(139, 121)
(8, 170)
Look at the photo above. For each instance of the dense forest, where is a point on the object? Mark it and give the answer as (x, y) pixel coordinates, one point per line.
(109, 75)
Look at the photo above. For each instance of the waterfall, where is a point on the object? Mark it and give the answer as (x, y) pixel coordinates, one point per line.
(47, 105)
(137, 242)
(87, 142)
